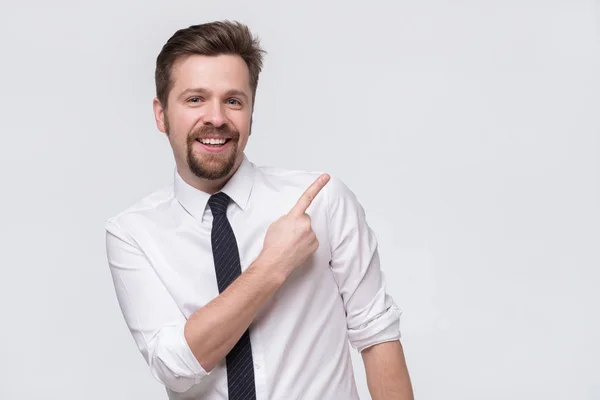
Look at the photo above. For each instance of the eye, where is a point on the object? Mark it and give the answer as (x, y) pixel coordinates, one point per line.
(194, 99)
(234, 102)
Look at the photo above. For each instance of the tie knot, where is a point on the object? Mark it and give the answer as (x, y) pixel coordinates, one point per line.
(218, 203)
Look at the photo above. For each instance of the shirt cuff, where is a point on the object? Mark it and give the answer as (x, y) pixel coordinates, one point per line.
(177, 367)
(383, 328)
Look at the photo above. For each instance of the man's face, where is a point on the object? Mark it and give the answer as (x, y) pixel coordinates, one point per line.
(208, 115)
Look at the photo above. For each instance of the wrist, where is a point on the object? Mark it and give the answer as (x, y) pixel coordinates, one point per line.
(271, 268)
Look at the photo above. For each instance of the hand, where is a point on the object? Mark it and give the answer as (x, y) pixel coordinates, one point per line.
(290, 240)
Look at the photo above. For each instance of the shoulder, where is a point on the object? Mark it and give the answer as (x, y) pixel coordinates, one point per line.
(300, 178)
(296, 181)
(286, 176)
(144, 210)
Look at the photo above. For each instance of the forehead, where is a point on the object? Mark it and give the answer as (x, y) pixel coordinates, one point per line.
(215, 73)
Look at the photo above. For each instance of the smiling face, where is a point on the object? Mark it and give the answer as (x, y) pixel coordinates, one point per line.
(207, 118)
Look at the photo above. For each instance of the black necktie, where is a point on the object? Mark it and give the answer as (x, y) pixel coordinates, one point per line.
(240, 368)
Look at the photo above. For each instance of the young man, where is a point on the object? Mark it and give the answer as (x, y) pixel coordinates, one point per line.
(246, 282)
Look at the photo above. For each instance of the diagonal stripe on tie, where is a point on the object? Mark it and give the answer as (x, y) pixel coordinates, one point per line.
(240, 367)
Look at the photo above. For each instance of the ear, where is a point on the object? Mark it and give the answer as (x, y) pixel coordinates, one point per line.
(159, 115)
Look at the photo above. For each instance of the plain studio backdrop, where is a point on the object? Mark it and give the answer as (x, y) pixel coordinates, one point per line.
(469, 130)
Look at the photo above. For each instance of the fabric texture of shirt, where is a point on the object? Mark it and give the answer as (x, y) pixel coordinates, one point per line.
(160, 257)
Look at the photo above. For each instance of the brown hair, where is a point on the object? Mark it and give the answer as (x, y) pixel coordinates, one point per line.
(209, 39)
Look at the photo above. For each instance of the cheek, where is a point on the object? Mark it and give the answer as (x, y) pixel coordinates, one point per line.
(181, 122)
(186, 119)
(241, 122)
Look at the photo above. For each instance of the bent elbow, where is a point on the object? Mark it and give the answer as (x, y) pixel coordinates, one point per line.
(172, 362)
(173, 380)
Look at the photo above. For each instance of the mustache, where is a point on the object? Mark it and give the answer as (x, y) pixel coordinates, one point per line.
(205, 130)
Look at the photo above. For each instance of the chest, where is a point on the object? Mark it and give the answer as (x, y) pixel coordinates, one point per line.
(182, 257)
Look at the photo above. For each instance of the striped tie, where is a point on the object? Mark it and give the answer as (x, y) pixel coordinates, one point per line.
(240, 368)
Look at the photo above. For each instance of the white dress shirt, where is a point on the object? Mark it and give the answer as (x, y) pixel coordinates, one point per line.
(160, 258)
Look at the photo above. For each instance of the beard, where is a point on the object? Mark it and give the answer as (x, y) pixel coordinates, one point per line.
(212, 166)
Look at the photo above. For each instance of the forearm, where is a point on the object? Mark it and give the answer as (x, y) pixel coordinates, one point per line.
(213, 330)
(387, 374)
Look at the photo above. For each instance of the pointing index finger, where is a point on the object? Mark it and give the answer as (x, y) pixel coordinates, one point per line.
(309, 195)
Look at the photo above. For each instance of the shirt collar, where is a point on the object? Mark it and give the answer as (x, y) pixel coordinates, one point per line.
(238, 188)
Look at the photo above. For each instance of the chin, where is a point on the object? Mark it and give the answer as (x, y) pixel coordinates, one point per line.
(213, 168)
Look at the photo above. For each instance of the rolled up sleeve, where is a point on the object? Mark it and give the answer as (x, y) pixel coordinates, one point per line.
(152, 316)
(371, 314)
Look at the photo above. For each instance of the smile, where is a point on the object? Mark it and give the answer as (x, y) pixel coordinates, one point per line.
(213, 142)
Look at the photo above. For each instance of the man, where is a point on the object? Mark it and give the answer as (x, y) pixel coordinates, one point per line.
(246, 282)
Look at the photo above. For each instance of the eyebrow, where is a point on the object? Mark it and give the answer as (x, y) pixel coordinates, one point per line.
(230, 92)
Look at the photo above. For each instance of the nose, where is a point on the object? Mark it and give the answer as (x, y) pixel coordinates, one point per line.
(214, 114)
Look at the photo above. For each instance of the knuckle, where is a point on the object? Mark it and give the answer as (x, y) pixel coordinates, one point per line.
(306, 223)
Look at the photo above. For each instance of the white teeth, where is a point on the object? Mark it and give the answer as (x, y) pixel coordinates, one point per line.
(213, 141)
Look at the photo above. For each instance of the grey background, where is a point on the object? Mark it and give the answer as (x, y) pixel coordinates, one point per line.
(469, 130)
